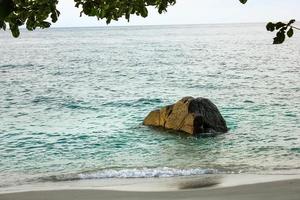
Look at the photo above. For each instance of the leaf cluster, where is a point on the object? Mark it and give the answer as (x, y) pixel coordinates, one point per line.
(115, 9)
(283, 30)
(35, 13)
(31, 13)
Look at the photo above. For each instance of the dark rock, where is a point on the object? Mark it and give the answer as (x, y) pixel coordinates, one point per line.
(191, 115)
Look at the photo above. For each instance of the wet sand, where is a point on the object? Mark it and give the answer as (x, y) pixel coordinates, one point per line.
(275, 190)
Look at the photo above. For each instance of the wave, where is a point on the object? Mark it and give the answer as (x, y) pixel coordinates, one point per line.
(12, 66)
(163, 172)
(72, 104)
(134, 103)
(58, 103)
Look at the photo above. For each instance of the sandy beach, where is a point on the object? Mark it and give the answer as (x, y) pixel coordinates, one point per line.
(233, 187)
(278, 190)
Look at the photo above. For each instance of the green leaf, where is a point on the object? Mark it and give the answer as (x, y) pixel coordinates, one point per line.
(45, 24)
(14, 30)
(77, 4)
(270, 26)
(53, 17)
(291, 22)
(243, 1)
(87, 8)
(2, 25)
(290, 32)
(279, 25)
(280, 37)
(144, 12)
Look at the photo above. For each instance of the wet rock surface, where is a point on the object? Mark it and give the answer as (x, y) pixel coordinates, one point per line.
(191, 115)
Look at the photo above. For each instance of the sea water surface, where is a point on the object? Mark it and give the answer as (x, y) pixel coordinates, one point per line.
(72, 101)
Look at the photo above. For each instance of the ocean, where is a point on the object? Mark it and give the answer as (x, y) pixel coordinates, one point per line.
(72, 102)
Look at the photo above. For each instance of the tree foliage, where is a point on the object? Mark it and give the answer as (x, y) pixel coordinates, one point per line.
(283, 29)
(37, 13)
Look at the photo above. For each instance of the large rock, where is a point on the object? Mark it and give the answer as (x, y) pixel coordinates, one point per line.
(191, 115)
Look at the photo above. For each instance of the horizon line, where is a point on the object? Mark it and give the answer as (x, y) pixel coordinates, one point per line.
(135, 25)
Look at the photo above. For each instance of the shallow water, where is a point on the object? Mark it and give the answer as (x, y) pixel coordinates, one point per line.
(72, 102)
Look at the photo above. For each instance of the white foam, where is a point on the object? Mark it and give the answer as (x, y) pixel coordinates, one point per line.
(145, 173)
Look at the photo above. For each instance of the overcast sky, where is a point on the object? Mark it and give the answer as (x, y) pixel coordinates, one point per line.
(194, 12)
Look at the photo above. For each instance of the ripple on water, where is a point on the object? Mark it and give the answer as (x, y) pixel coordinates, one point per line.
(79, 107)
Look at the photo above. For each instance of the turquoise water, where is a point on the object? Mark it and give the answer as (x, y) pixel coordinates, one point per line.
(72, 102)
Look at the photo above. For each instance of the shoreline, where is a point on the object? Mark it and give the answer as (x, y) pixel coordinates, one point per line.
(208, 181)
(275, 190)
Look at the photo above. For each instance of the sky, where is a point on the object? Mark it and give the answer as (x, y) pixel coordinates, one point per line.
(193, 12)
